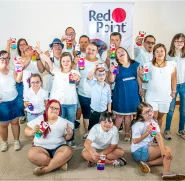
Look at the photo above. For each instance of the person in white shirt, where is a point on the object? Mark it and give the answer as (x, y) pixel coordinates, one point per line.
(64, 86)
(103, 139)
(50, 133)
(56, 48)
(142, 150)
(9, 101)
(36, 98)
(144, 54)
(177, 54)
(161, 87)
(84, 89)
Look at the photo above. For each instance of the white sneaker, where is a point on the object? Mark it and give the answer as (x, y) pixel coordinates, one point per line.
(181, 133)
(85, 136)
(4, 146)
(17, 145)
(167, 135)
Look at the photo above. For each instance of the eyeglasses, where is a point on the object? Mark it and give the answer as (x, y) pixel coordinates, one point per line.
(71, 33)
(100, 75)
(37, 82)
(180, 42)
(54, 108)
(56, 45)
(149, 42)
(148, 112)
(4, 59)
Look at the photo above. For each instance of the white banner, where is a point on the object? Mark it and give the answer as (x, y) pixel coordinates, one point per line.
(101, 19)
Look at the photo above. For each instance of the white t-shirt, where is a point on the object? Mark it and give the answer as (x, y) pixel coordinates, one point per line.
(37, 100)
(55, 136)
(48, 78)
(138, 129)
(62, 90)
(180, 67)
(30, 69)
(84, 89)
(8, 90)
(159, 85)
(101, 139)
(143, 57)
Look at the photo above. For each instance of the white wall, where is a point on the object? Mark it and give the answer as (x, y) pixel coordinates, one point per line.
(43, 21)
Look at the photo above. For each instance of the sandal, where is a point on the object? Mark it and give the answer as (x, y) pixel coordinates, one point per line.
(127, 139)
(173, 176)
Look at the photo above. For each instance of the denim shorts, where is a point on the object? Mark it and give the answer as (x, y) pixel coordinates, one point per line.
(85, 106)
(52, 151)
(10, 110)
(31, 116)
(141, 154)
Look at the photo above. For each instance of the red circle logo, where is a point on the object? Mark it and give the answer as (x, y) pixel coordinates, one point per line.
(118, 15)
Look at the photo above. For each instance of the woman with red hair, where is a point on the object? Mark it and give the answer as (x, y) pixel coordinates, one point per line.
(50, 132)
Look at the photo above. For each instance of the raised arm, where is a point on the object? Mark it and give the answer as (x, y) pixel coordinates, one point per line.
(111, 77)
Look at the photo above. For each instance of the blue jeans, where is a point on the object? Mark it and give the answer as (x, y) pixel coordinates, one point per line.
(31, 117)
(69, 112)
(181, 92)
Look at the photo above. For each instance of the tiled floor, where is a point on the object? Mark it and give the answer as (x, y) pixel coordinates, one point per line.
(15, 165)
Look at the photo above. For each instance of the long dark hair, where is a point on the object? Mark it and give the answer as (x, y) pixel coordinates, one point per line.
(129, 59)
(171, 52)
(45, 114)
(155, 48)
(18, 43)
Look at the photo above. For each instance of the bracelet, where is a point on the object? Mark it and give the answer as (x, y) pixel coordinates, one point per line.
(174, 91)
(37, 58)
(40, 53)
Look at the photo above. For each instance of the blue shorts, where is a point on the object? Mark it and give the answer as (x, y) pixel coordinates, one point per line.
(141, 154)
(10, 110)
(85, 106)
(52, 151)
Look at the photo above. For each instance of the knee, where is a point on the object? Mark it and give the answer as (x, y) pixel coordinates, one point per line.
(31, 156)
(68, 151)
(120, 152)
(15, 122)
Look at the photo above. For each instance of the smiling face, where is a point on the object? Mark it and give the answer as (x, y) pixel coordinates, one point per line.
(149, 44)
(36, 83)
(4, 60)
(100, 76)
(106, 125)
(84, 41)
(71, 32)
(115, 39)
(91, 51)
(22, 45)
(66, 62)
(53, 111)
(121, 55)
(147, 113)
(160, 53)
(57, 49)
(179, 43)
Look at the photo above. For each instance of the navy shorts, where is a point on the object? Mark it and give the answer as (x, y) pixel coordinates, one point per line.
(141, 154)
(52, 151)
(85, 106)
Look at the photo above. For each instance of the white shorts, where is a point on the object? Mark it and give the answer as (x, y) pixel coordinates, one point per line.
(162, 107)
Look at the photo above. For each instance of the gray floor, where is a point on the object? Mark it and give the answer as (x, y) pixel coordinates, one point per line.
(15, 165)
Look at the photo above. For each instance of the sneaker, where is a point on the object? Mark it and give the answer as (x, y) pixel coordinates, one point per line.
(22, 120)
(119, 162)
(144, 167)
(173, 176)
(181, 133)
(85, 136)
(167, 135)
(91, 164)
(72, 144)
(17, 145)
(64, 167)
(38, 171)
(77, 125)
(4, 146)
(121, 128)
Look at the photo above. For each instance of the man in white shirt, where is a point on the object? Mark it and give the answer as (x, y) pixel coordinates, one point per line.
(144, 54)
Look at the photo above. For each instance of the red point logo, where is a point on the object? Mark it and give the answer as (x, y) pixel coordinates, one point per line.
(118, 15)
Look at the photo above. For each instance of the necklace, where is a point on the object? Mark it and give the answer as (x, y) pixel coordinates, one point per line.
(159, 64)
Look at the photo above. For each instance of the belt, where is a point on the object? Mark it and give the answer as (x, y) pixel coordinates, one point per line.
(34, 114)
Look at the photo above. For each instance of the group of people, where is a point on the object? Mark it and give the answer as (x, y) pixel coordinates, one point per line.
(52, 90)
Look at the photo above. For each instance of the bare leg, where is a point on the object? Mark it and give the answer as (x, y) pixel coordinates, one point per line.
(39, 156)
(78, 113)
(61, 156)
(160, 118)
(86, 124)
(15, 128)
(127, 125)
(156, 159)
(4, 131)
(119, 120)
